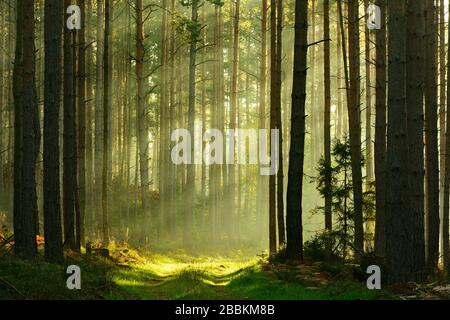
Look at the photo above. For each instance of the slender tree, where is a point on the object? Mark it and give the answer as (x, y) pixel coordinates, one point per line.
(354, 117)
(380, 133)
(69, 144)
(368, 93)
(89, 207)
(327, 117)
(279, 126)
(99, 110)
(294, 244)
(399, 242)
(26, 135)
(445, 213)
(3, 62)
(106, 106)
(81, 152)
(52, 91)
(142, 126)
(414, 108)
(215, 122)
(234, 111)
(273, 124)
(312, 84)
(262, 124)
(164, 119)
(431, 139)
(442, 97)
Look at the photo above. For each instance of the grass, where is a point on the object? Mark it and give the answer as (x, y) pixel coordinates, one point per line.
(168, 276)
(37, 279)
(180, 276)
(164, 277)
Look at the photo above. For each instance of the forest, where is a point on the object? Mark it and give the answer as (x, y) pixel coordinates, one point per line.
(225, 149)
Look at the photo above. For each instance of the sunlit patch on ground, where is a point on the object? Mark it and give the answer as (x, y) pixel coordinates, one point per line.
(180, 276)
(129, 274)
(177, 275)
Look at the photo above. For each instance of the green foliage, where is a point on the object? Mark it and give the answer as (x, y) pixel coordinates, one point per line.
(341, 192)
(187, 28)
(332, 268)
(190, 30)
(316, 248)
(188, 3)
(278, 257)
(217, 2)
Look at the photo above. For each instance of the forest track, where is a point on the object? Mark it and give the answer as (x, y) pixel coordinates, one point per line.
(182, 277)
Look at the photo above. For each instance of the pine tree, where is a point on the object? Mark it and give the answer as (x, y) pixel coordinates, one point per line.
(52, 90)
(294, 244)
(380, 134)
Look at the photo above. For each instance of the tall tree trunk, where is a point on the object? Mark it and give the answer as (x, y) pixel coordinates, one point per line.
(398, 229)
(128, 122)
(368, 91)
(278, 80)
(172, 168)
(273, 125)
(294, 244)
(106, 107)
(38, 74)
(111, 100)
(52, 91)
(442, 115)
(26, 140)
(414, 109)
(431, 140)
(189, 212)
(3, 62)
(340, 125)
(142, 126)
(164, 121)
(214, 122)
(312, 72)
(262, 180)
(81, 162)
(22, 231)
(222, 115)
(89, 128)
(327, 118)
(218, 122)
(380, 134)
(74, 160)
(99, 112)
(445, 213)
(204, 209)
(10, 122)
(233, 114)
(69, 146)
(354, 117)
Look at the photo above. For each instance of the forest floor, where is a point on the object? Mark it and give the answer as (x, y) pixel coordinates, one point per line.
(126, 274)
(235, 278)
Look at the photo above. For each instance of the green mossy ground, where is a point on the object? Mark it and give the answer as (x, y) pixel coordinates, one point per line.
(176, 276)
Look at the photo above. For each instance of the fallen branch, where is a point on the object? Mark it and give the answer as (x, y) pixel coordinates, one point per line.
(12, 287)
(6, 241)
